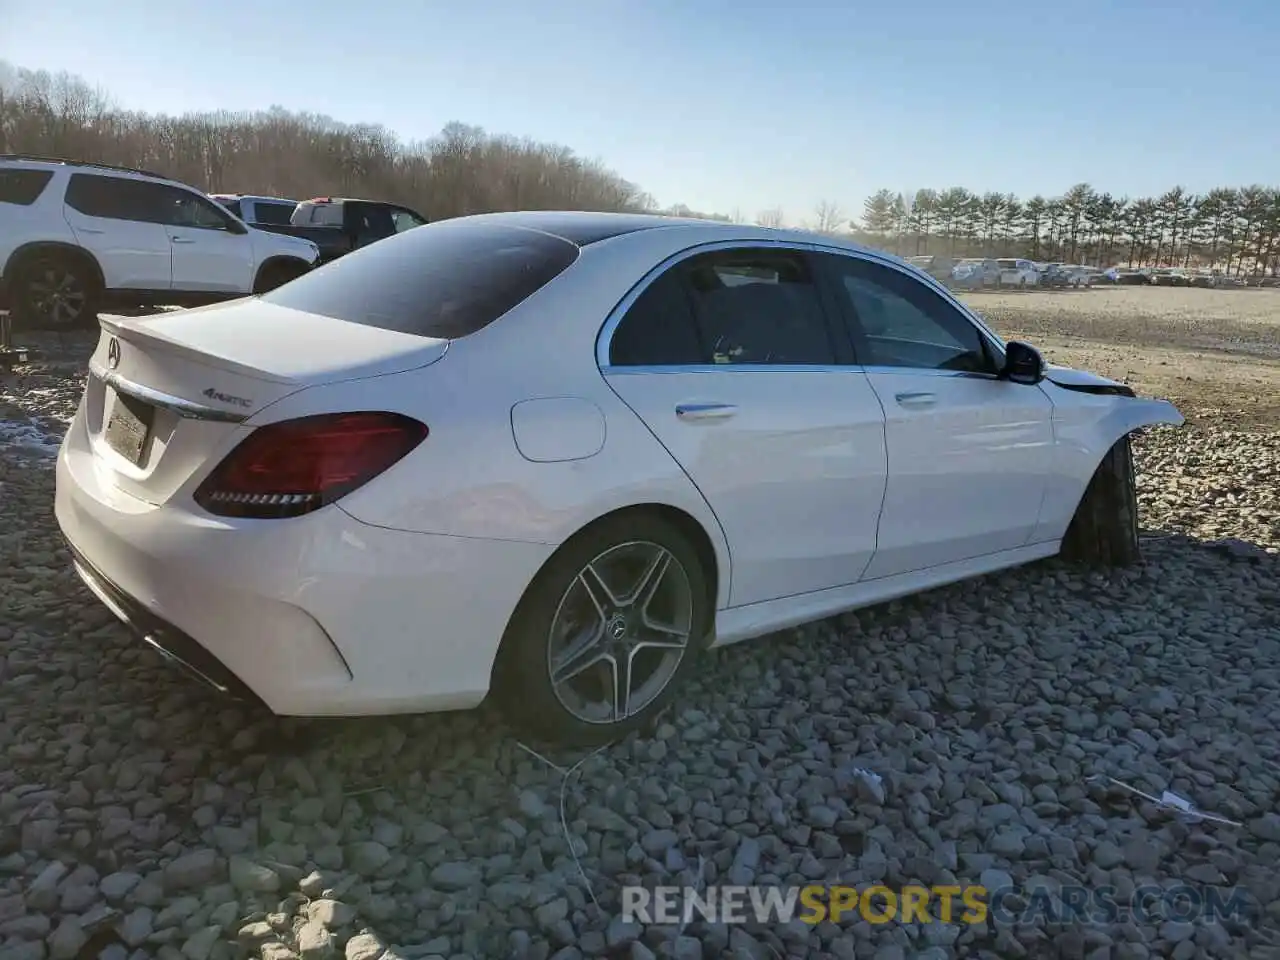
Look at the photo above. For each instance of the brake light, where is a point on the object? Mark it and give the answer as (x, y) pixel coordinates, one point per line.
(293, 467)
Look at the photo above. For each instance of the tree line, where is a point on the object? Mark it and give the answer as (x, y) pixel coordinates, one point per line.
(462, 170)
(1233, 229)
(465, 170)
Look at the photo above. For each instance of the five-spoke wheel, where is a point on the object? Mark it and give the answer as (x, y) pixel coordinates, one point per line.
(606, 632)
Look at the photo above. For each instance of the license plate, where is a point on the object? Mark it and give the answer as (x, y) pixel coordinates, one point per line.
(129, 427)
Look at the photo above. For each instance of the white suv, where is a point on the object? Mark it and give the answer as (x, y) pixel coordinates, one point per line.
(1016, 272)
(75, 237)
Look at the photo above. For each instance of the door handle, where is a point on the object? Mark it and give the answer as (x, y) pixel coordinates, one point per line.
(915, 399)
(181, 240)
(93, 230)
(705, 411)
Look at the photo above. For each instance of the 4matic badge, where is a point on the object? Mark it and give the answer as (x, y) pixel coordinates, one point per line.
(213, 394)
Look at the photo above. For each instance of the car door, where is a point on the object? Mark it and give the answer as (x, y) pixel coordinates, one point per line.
(731, 359)
(211, 253)
(968, 452)
(115, 219)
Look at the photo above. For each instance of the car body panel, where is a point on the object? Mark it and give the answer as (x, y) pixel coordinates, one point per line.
(788, 498)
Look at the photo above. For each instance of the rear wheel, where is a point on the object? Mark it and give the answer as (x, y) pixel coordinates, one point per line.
(1104, 530)
(54, 291)
(605, 634)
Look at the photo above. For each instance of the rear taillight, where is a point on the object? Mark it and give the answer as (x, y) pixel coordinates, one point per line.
(290, 468)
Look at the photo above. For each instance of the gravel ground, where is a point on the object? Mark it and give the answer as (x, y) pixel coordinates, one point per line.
(141, 817)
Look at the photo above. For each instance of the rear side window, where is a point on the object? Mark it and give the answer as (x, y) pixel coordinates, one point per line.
(23, 186)
(117, 198)
(446, 280)
(232, 206)
(277, 214)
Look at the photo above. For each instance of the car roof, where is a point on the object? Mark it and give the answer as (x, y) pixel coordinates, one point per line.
(250, 196)
(585, 227)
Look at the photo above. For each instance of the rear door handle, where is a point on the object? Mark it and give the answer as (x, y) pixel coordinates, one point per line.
(93, 230)
(181, 240)
(915, 399)
(705, 411)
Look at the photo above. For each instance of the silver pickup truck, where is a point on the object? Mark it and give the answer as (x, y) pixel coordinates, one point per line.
(257, 211)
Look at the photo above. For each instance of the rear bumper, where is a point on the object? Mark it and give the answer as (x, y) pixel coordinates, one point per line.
(321, 615)
(165, 638)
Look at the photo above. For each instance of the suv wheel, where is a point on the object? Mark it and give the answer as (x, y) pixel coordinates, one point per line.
(54, 291)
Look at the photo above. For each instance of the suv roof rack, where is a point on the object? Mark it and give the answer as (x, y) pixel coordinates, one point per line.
(82, 163)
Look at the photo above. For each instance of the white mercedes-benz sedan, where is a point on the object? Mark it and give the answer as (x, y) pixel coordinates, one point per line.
(556, 456)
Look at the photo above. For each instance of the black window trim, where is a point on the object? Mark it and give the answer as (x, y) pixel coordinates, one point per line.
(836, 319)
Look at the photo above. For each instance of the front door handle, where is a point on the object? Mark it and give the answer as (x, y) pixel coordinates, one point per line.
(915, 399)
(705, 411)
(181, 240)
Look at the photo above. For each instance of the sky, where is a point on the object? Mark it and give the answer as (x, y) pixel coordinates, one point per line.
(730, 106)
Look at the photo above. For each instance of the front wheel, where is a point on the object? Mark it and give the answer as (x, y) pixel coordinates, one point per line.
(1104, 530)
(605, 634)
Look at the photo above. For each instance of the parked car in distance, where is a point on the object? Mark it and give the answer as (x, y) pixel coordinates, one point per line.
(1170, 277)
(258, 211)
(1140, 277)
(975, 273)
(456, 463)
(1016, 272)
(1110, 275)
(339, 225)
(936, 266)
(1054, 275)
(75, 237)
(1203, 278)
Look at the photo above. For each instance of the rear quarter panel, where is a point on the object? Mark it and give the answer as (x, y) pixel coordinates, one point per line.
(469, 477)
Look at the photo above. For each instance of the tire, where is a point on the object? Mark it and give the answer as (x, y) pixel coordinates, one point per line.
(1104, 530)
(53, 291)
(574, 711)
(276, 275)
(1022, 282)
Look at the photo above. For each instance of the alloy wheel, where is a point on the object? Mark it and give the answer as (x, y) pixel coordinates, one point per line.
(620, 632)
(56, 295)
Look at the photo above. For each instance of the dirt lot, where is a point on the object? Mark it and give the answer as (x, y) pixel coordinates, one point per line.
(141, 817)
(1215, 353)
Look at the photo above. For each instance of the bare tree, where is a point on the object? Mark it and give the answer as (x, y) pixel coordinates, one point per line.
(828, 216)
(770, 218)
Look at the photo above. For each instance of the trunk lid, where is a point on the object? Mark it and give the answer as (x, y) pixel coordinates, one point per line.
(167, 392)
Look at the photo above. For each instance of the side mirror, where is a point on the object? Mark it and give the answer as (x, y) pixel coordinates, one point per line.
(1022, 363)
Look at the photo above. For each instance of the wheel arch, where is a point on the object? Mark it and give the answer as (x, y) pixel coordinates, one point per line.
(36, 248)
(276, 262)
(682, 520)
(1129, 416)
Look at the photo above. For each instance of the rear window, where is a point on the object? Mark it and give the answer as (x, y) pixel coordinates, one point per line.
(23, 186)
(277, 214)
(1008, 264)
(446, 279)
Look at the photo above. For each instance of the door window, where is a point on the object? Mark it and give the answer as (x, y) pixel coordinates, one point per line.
(405, 220)
(183, 208)
(728, 307)
(900, 322)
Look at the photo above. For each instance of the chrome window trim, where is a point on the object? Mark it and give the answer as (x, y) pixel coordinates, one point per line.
(183, 408)
(605, 337)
